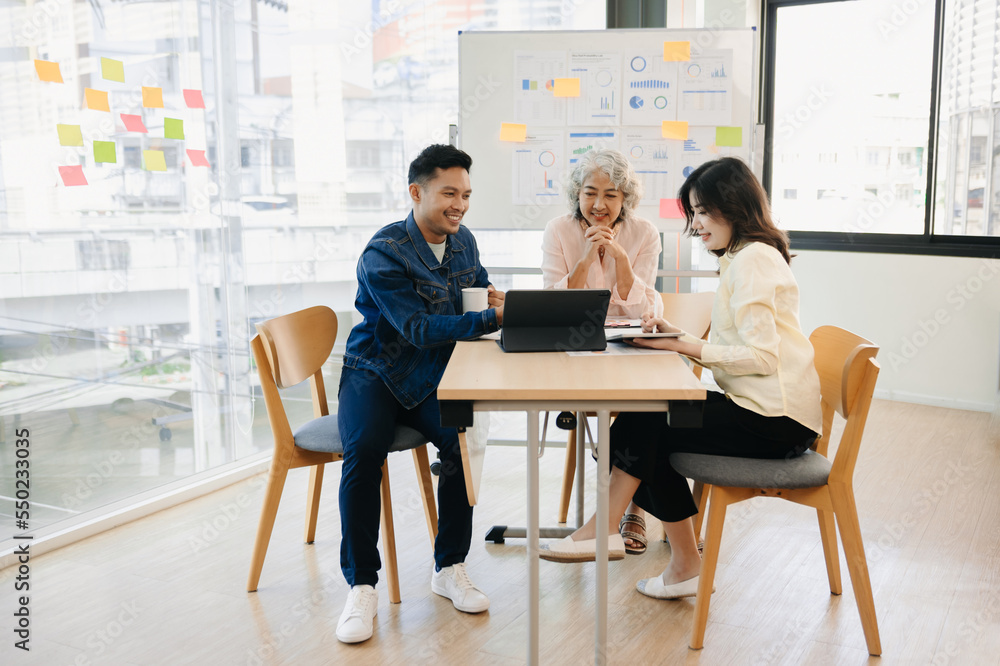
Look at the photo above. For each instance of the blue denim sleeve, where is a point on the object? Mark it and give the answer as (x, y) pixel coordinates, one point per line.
(382, 273)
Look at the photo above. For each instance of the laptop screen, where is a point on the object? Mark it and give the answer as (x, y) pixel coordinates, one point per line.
(555, 319)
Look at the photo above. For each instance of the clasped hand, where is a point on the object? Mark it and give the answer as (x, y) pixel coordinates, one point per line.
(602, 237)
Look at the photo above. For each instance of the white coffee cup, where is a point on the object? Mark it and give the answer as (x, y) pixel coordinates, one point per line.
(475, 299)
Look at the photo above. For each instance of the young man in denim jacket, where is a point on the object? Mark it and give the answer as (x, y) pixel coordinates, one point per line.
(410, 281)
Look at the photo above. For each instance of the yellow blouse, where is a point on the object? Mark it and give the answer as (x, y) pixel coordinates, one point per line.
(757, 351)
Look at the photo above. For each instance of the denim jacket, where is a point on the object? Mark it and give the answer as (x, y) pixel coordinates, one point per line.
(412, 308)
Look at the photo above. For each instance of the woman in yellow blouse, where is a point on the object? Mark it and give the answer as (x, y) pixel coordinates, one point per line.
(758, 355)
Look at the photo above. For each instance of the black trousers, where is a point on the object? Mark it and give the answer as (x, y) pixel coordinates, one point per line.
(641, 444)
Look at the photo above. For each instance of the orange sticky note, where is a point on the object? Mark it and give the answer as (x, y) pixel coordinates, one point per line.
(674, 129)
(152, 98)
(566, 88)
(72, 175)
(670, 209)
(193, 99)
(674, 51)
(153, 160)
(513, 132)
(112, 70)
(96, 99)
(197, 157)
(48, 71)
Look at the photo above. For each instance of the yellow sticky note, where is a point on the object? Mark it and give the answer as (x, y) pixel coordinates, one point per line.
(674, 129)
(96, 99)
(153, 160)
(152, 98)
(674, 51)
(112, 70)
(513, 132)
(48, 71)
(729, 136)
(566, 88)
(69, 135)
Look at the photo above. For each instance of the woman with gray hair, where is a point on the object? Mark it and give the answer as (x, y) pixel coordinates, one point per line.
(602, 244)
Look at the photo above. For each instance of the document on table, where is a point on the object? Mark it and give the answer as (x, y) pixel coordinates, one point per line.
(618, 349)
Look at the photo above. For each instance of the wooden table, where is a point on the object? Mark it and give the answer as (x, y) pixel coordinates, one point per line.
(481, 377)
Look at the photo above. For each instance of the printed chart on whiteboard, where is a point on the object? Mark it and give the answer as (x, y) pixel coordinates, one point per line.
(669, 100)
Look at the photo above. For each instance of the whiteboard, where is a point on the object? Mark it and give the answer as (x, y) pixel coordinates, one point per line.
(628, 86)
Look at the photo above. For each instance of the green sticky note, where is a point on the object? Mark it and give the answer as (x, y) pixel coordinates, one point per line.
(69, 135)
(104, 151)
(173, 128)
(153, 160)
(112, 70)
(729, 136)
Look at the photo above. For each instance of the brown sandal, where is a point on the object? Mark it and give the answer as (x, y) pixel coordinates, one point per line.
(639, 545)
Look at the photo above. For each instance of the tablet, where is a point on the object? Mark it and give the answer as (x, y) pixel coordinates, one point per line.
(627, 334)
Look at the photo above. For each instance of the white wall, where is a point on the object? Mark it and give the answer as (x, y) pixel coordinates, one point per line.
(937, 320)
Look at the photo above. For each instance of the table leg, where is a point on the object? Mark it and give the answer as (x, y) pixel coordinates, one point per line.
(603, 483)
(532, 550)
(581, 447)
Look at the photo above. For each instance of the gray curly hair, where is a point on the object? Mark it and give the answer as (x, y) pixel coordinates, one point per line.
(616, 167)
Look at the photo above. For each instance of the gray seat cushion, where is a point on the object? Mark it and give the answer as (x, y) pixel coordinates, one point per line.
(806, 471)
(322, 434)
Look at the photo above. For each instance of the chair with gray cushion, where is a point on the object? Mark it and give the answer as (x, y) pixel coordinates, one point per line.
(847, 372)
(289, 350)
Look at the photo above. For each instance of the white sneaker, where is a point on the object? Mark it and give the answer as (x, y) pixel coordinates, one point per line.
(454, 583)
(355, 623)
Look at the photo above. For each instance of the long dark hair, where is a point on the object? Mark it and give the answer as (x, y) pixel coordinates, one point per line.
(726, 188)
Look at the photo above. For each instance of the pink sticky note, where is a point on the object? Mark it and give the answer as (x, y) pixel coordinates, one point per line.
(134, 123)
(193, 99)
(72, 175)
(670, 209)
(197, 158)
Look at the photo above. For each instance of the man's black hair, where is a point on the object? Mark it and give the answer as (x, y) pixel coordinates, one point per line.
(432, 158)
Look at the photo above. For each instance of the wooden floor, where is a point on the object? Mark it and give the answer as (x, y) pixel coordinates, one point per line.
(169, 589)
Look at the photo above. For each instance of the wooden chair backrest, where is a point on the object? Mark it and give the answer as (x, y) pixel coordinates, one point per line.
(847, 372)
(690, 312)
(288, 350)
(298, 344)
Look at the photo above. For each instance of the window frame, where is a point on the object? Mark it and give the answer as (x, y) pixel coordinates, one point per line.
(926, 243)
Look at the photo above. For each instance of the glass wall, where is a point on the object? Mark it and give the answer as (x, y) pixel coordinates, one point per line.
(968, 173)
(171, 173)
(850, 126)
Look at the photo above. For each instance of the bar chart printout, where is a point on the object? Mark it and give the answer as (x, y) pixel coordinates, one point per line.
(535, 73)
(649, 89)
(537, 169)
(705, 88)
(600, 88)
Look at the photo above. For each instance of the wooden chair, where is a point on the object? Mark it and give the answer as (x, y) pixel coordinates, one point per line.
(288, 350)
(847, 372)
(691, 312)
